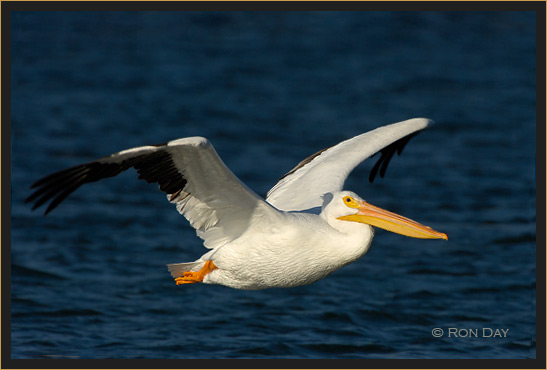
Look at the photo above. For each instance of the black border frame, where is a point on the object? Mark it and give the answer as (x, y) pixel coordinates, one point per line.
(8, 7)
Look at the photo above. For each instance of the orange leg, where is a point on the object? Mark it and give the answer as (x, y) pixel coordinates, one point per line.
(191, 277)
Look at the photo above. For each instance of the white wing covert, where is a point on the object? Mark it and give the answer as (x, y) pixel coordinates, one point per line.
(326, 171)
(215, 202)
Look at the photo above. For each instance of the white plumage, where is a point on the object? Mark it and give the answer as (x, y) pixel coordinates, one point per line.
(282, 241)
(328, 171)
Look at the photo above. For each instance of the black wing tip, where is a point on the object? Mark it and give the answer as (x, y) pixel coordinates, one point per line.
(50, 208)
(387, 153)
(156, 166)
(372, 174)
(41, 201)
(37, 205)
(32, 199)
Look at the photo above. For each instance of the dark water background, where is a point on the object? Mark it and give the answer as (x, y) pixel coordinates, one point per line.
(268, 89)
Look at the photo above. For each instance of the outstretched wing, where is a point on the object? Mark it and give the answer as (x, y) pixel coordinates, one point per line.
(215, 202)
(327, 170)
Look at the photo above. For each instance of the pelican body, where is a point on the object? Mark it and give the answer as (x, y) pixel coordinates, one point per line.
(306, 228)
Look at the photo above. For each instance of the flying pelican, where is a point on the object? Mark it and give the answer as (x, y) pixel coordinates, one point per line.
(306, 228)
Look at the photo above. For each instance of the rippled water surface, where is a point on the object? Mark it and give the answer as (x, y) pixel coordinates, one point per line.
(268, 89)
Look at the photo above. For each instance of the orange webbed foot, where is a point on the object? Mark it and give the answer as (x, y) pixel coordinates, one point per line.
(191, 277)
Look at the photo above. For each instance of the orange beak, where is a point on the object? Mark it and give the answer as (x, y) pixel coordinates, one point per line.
(375, 216)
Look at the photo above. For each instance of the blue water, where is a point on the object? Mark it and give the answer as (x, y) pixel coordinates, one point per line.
(268, 89)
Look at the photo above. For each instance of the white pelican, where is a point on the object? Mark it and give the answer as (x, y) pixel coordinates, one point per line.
(284, 240)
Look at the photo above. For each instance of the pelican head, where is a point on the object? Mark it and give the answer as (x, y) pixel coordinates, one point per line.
(349, 207)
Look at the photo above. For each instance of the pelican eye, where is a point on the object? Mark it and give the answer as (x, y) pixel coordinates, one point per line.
(350, 202)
